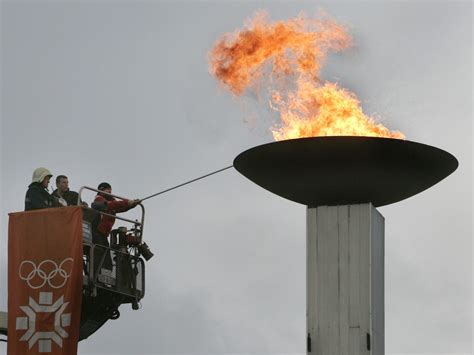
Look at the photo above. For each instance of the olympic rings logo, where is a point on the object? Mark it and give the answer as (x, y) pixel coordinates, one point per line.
(47, 272)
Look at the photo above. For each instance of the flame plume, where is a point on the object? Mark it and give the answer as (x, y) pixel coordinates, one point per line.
(325, 111)
(288, 56)
(237, 59)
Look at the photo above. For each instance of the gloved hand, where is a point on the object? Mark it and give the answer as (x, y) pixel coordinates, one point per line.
(99, 206)
(62, 202)
(133, 203)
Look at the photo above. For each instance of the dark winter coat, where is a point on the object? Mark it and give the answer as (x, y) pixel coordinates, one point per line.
(69, 196)
(37, 197)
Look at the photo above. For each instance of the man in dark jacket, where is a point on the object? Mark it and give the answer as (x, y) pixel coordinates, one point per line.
(37, 196)
(63, 194)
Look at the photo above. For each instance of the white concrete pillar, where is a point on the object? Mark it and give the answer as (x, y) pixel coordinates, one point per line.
(345, 280)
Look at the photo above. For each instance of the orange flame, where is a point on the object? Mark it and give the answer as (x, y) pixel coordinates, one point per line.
(325, 111)
(291, 53)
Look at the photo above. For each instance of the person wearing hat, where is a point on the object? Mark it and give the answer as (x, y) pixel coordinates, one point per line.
(37, 196)
(104, 202)
(107, 203)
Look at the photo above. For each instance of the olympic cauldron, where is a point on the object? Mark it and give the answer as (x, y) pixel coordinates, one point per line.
(341, 180)
(345, 170)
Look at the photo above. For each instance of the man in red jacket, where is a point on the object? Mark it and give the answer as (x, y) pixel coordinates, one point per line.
(105, 203)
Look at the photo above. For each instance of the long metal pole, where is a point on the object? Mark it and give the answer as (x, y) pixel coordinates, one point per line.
(187, 182)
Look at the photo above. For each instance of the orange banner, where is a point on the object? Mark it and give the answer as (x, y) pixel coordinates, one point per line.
(44, 281)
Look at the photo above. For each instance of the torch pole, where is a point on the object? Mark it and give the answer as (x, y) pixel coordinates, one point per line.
(187, 182)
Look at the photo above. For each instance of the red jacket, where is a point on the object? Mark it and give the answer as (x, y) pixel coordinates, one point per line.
(113, 206)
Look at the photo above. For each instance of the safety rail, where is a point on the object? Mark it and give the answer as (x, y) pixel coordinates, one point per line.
(126, 276)
(79, 201)
(98, 276)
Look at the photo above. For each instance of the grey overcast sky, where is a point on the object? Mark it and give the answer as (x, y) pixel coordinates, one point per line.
(120, 91)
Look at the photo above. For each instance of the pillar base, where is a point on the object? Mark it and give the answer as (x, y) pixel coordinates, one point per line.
(345, 280)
